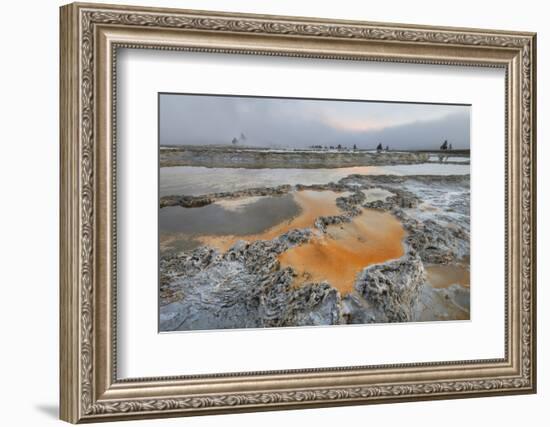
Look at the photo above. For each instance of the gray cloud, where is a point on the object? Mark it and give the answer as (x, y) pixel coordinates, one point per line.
(277, 122)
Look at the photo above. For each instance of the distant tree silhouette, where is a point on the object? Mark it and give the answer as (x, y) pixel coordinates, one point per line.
(379, 147)
(234, 141)
(387, 148)
(444, 146)
(354, 146)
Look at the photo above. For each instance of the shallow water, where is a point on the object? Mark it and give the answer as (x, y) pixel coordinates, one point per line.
(239, 217)
(340, 254)
(448, 159)
(336, 256)
(376, 194)
(311, 205)
(445, 275)
(223, 223)
(188, 180)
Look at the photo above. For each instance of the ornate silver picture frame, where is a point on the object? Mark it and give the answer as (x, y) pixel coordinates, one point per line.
(91, 36)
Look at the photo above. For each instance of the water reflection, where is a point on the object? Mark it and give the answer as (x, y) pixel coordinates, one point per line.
(340, 254)
(188, 180)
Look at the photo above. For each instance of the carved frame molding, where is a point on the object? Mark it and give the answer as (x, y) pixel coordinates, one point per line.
(90, 36)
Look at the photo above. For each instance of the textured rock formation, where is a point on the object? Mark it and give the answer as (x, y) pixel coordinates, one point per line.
(392, 289)
(203, 200)
(246, 286)
(256, 158)
(242, 288)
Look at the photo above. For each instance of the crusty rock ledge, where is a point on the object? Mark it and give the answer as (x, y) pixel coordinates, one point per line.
(349, 183)
(243, 288)
(199, 201)
(258, 158)
(246, 287)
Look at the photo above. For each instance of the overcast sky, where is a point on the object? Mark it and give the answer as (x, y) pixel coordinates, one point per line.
(277, 122)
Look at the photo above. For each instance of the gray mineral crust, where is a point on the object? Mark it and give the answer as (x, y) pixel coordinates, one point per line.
(246, 287)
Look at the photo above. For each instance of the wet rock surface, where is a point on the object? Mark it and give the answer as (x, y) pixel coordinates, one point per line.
(246, 286)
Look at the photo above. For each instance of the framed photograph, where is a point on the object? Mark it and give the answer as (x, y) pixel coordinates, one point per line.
(266, 212)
